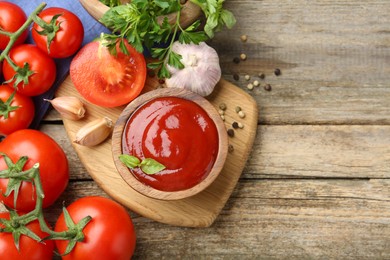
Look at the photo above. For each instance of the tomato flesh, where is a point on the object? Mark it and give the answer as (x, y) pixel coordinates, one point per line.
(107, 80)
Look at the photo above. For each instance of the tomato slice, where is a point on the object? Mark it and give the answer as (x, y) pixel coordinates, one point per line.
(108, 80)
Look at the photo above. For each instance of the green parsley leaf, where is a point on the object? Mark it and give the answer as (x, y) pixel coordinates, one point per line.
(139, 22)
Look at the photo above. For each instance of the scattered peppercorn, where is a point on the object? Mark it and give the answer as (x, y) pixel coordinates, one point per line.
(277, 72)
(236, 76)
(236, 60)
(230, 132)
(247, 77)
(241, 114)
(222, 117)
(244, 38)
(230, 148)
(237, 109)
(256, 83)
(262, 76)
(221, 112)
(235, 125)
(268, 87)
(222, 106)
(243, 56)
(250, 86)
(240, 125)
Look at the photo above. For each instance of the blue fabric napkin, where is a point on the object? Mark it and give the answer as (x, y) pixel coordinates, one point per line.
(92, 29)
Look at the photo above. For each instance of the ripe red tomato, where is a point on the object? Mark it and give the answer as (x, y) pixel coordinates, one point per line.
(53, 167)
(109, 235)
(17, 119)
(107, 80)
(40, 63)
(29, 248)
(12, 17)
(68, 38)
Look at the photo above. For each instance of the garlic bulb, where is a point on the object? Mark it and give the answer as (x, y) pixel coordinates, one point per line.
(94, 132)
(69, 107)
(201, 70)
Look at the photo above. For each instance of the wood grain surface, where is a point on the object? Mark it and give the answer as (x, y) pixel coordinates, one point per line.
(317, 183)
(199, 210)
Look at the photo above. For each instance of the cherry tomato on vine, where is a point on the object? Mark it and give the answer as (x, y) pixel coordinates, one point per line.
(40, 64)
(67, 39)
(16, 112)
(108, 80)
(53, 167)
(28, 247)
(12, 17)
(109, 235)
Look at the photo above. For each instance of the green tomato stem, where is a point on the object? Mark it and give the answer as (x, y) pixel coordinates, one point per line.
(14, 36)
(5, 33)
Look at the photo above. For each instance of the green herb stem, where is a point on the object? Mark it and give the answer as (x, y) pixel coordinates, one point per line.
(176, 26)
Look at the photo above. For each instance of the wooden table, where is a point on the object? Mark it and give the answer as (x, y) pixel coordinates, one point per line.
(317, 183)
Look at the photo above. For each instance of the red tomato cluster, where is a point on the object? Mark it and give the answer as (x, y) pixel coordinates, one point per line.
(110, 234)
(110, 229)
(37, 69)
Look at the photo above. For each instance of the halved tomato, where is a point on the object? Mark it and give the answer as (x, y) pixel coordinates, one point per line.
(108, 80)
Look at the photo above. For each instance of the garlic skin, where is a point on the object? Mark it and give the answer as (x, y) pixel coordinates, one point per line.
(95, 132)
(201, 70)
(69, 107)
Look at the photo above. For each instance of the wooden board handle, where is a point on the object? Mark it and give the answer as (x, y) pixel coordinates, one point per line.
(190, 12)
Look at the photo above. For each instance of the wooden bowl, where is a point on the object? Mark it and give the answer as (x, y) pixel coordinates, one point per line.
(146, 190)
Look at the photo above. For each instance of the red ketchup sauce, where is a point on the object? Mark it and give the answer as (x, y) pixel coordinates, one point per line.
(177, 133)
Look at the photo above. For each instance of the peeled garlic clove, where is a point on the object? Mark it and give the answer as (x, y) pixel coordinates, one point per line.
(69, 107)
(201, 70)
(94, 132)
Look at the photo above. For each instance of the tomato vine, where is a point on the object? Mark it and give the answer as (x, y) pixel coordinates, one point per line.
(17, 224)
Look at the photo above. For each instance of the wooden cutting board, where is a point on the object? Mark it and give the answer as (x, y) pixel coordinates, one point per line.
(198, 211)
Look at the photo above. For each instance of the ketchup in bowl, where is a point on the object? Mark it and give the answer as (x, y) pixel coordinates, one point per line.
(177, 133)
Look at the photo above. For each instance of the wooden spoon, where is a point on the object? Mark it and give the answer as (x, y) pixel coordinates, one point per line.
(190, 12)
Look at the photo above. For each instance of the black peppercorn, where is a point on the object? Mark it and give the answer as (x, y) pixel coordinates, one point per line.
(235, 125)
(230, 148)
(277, 72)
(268, 87)
(262, 76)
(236, 76)
(236, 60)
(230, 132)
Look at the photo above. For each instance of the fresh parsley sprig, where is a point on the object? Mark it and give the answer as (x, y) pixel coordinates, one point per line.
(138, 23)
(111, 3)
